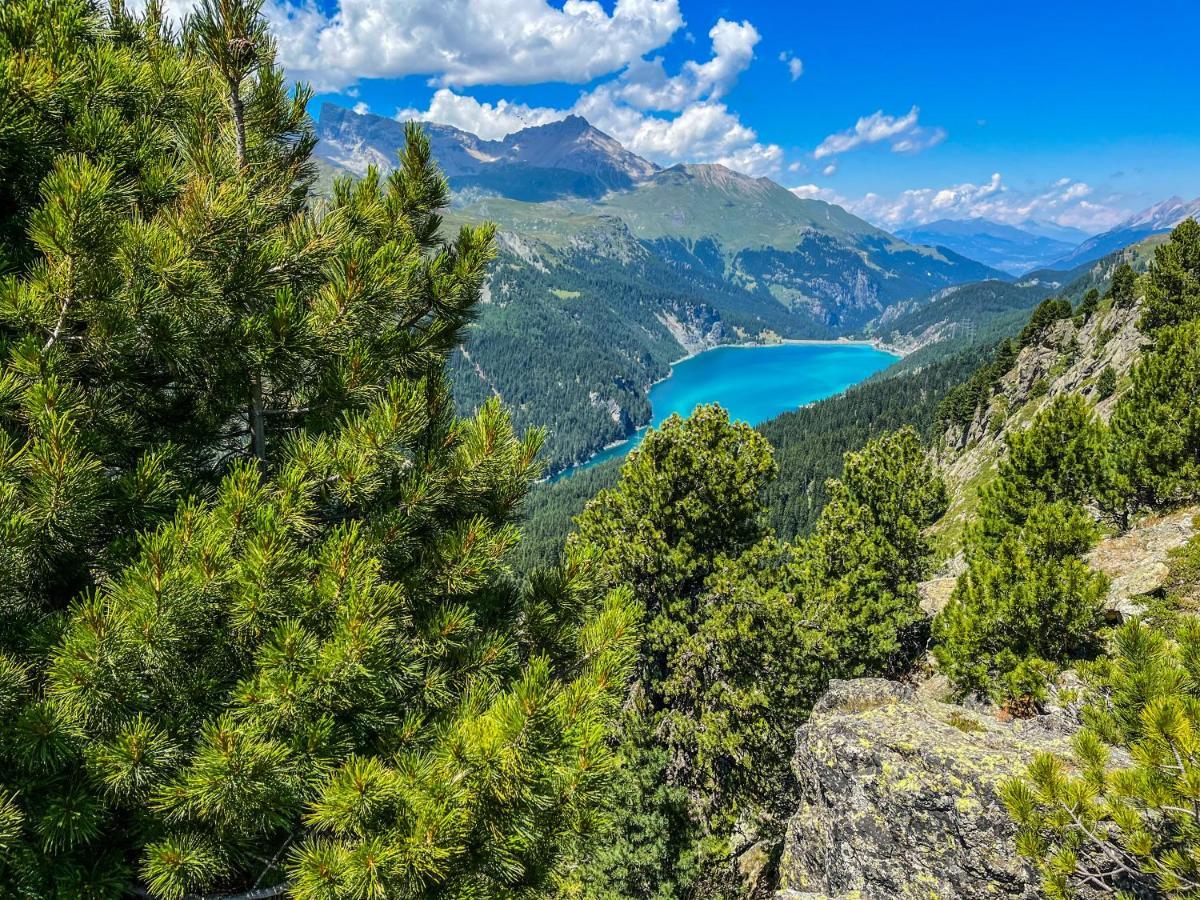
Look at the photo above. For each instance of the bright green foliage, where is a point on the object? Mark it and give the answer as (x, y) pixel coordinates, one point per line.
(1156, 425)
(740, 683)
(688, 504)
(1062, 455)
(258, 625)
(1106, 384)
(868, 552)
(689, 495)
(1027, 603)
(1133, 827)
(745, 631)
(1123, 288)
(1173, 283)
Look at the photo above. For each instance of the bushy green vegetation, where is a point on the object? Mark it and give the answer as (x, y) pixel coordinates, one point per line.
(743, 630)
(1027, 603)
(258, 632)
(1115, 826)
(1133, 827)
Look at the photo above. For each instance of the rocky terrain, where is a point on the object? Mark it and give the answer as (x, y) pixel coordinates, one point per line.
(899, 797)
(1066, 358)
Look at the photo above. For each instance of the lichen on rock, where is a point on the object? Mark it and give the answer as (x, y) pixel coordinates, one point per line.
(900, 798)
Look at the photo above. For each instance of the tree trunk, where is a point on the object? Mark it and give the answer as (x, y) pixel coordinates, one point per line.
(239, 122)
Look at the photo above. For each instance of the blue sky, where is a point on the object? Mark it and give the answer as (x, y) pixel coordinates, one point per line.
(902, 111)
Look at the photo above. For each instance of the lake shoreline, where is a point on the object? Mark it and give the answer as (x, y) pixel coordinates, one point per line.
(874, 344)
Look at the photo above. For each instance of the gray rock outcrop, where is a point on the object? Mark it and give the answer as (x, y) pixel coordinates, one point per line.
(900, 798)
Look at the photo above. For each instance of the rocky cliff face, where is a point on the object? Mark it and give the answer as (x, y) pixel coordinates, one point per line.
(1066, 359)
(899, 797)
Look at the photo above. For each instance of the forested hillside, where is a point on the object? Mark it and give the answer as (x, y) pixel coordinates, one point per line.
(579, 318)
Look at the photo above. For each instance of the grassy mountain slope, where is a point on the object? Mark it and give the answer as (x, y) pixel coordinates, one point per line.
(807, 254)
(580, 318)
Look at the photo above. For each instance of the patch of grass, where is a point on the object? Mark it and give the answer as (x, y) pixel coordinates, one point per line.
(565, 295)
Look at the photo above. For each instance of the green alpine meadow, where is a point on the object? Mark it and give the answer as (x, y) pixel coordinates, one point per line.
(530, 497)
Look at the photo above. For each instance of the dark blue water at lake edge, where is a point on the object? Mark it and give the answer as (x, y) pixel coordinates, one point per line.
(754, 383)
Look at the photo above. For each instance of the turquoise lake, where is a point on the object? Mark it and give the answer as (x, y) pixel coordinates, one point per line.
(754, 383)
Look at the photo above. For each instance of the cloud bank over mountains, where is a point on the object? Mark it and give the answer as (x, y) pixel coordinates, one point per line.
(1064, 202)
(667, 112)
(667, 118)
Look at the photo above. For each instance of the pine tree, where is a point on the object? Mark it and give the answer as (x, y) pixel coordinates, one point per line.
(1087, 307)
(869, 551)
(1156, 425)
(260, 633)
(729, 664)
(1172, 285)
(1048, 312)
(689, 495)
(1123, 286)
(1089, 824)
(1026, 604)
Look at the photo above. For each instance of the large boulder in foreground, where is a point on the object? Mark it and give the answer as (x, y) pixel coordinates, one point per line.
(899, 798)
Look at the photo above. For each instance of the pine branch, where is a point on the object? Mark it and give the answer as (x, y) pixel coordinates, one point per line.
(255, 894)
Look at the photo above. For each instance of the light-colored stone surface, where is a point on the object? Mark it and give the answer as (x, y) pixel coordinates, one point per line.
(935, 594)
(1137, 561)
(900, 798)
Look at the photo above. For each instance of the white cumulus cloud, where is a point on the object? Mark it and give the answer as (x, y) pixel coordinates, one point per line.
(490, 121)
(816, 192)
(467, 42)
(904, 133)
(666, 118)
(794, 64)
(646, 85)
(1063, 202)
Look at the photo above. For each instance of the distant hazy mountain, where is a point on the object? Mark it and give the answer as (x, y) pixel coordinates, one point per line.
(1005, 247)
(1158, 219)
(569, 158)
(1064, 233)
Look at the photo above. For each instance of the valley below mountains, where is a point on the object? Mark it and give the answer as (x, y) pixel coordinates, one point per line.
(610, 268)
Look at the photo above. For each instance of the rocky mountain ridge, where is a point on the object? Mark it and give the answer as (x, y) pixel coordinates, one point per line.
(560, 159)
(1157, 219)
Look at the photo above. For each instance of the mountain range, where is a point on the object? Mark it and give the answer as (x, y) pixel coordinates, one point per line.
(610, 267)
(1158, 219)
(1010, 248)
(568, 158)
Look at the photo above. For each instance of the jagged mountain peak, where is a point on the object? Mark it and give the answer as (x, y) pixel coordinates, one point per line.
(565, 158)
(1167, 214)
